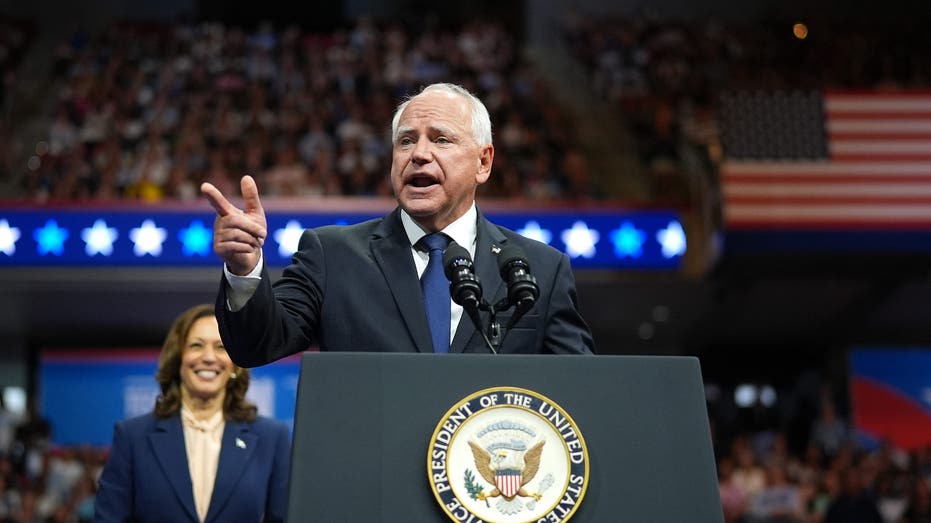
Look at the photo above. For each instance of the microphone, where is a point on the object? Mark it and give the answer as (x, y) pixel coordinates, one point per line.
(464, 287)
(523, 290)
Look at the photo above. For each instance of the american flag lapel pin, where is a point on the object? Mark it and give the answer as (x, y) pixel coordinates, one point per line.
(240, 443)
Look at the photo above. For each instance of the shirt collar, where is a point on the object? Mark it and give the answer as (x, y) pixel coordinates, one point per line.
(462, 231)
(187, 417)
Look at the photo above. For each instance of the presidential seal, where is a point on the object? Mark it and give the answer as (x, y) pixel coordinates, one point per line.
(507, 455)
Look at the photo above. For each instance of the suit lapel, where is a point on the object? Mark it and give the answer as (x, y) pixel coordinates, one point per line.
(237, 447)
(488, 242)
(392, 251)
(168, 446)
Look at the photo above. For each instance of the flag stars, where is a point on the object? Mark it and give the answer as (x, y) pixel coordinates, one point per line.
(99, 238)
(672, 239)
(533, 231)
(8, 238)
(50, 238)
(628, 241)
(580, 240)
(148, 239)
(289, 238)
(195, 239)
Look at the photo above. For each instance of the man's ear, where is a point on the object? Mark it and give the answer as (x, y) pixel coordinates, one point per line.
(485, 158)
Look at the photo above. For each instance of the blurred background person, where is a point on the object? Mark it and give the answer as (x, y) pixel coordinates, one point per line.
(855, 503)
(203, 454)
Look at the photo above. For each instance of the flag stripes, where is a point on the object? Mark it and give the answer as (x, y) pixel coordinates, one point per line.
(875, 174)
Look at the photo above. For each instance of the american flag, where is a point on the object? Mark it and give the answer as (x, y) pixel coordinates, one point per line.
(838, 160)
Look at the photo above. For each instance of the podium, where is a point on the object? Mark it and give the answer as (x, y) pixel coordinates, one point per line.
(364, 423)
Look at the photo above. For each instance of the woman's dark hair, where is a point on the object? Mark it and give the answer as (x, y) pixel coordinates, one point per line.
(168, 376)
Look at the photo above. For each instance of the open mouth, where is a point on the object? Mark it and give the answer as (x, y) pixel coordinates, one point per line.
(422, 181)
(209, 374)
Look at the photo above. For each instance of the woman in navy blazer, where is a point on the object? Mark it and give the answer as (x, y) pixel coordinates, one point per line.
(203, 454)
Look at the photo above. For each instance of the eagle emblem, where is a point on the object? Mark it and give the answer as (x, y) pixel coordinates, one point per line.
(508, 466)
(507, 454)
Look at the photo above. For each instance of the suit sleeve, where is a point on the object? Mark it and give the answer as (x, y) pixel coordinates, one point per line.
(281, 320)
(114, 501)
(566, 331)
(277, 504)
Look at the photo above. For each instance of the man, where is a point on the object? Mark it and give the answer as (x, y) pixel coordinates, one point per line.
(357, 288)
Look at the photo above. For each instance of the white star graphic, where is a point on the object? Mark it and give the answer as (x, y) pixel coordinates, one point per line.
(148, 239)
(289, 238)
(8, 237)
(99, 238)
(672, 238)
(580, 240)
(533, 231)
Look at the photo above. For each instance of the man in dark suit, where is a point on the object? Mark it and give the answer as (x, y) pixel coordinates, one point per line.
(357, 287)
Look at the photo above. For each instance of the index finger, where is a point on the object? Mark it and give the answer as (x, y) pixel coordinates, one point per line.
(217, 200)
(250, 194)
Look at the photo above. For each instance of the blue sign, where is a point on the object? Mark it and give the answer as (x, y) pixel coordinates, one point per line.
(160, 237)
(87, 392)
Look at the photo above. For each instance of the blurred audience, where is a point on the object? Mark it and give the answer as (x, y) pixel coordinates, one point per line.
(829, 433)
(15, 36)
(761, 479)
(146, 111)
(665, 75)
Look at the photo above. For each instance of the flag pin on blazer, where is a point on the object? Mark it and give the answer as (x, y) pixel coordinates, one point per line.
(240, 443)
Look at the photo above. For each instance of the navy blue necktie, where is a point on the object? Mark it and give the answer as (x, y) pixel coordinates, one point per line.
(436, 291)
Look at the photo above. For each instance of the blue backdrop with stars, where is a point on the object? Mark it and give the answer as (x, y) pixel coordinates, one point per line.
(591, 239)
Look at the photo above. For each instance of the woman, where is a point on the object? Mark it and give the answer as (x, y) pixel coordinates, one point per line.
(202, 455)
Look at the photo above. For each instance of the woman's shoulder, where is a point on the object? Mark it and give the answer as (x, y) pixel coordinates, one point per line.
(141, 422)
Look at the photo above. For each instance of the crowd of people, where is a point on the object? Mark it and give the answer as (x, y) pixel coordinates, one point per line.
(39, 481)
(16, 35)
(666, 76)
(149, 111)
(831, 476)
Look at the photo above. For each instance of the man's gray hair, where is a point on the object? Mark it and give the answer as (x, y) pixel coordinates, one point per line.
(481, 122)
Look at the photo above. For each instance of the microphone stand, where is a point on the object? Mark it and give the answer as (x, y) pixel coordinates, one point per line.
(491, 332)
(493, 335)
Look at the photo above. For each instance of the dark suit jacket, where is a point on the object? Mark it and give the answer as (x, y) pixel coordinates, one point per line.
(147, 479)
(355, 288)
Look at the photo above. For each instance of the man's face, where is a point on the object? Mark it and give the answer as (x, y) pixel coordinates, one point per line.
(436, 164)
